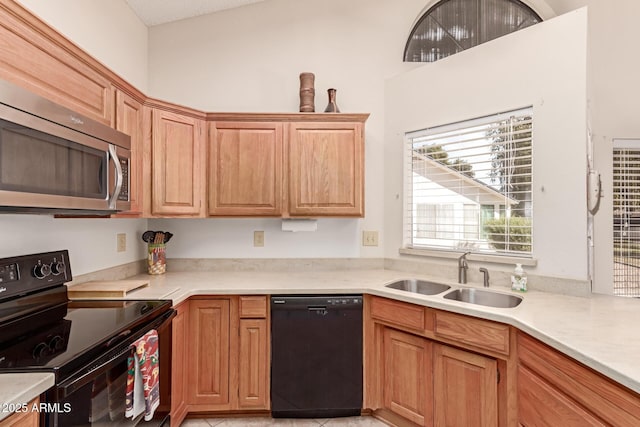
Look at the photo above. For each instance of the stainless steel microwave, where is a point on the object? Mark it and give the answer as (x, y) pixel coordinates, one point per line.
(53, 160)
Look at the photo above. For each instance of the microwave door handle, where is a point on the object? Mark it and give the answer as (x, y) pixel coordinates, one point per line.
(119, 178)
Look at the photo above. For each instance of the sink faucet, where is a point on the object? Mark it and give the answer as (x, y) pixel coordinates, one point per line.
(485, 277)
(462, 268)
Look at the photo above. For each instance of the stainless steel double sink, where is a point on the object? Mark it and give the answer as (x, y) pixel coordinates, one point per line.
(468, 295)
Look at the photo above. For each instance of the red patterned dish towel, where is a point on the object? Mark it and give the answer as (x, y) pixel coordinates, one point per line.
(143, 377)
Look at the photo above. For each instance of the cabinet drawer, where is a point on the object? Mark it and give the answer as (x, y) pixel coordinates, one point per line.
(539, 404)
(401, 314)
(253, 307)
(609, 401)
(479, 333)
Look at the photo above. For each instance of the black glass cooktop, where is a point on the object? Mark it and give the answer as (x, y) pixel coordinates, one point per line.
(45, 332)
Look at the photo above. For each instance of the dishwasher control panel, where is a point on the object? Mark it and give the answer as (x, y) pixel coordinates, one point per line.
(324, 300)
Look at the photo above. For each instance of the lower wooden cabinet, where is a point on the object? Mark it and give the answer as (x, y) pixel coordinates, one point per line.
(465, 388)
(209, 342)
(179, 364)
(427, 367)
(23, 419)
(407, 386)
(556, 390)
(228, 354)
(542, 405)
(253, 369)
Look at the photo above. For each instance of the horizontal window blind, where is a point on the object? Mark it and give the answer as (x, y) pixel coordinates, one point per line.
(468, 185)
(626, 217)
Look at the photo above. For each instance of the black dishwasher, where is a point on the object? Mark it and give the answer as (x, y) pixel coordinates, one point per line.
(316, 356)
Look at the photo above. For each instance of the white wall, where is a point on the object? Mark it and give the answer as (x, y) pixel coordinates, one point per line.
(91, 242)
(614, 103)
(108, 30)
(543, 66)
(249, 59)
(233, 238)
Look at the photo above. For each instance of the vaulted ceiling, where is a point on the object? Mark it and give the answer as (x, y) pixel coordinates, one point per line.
(155, 12)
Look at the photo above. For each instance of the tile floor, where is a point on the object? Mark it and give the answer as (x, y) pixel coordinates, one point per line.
(268, 422)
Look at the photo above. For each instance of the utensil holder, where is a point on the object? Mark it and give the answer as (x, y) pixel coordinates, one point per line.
(157, 259)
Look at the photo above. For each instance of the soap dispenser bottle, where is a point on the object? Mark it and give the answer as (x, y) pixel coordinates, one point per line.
(519, 279)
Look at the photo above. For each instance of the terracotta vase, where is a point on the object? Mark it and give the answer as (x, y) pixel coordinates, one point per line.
(307, 93)
(332, 107)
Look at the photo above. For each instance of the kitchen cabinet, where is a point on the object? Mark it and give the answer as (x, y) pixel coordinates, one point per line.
(408, 383)
(465, 388)
(128, 119)
(179, 364)
(431, 367)
(326, 169)
(245, 168)
(36, 57)
(209, 346)
(177, 164)
(554, 389)
(23, 419)
(253, 353)
(299, 165)
(228, 349)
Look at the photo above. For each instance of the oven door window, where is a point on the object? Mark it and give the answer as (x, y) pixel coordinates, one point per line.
(99, 402)
(35, 162)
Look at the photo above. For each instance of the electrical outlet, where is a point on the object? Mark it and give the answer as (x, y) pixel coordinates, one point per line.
(369, 238)
(258, 238)
(122, 242)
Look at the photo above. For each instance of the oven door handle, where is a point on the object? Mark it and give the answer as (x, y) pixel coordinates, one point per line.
(89, 373)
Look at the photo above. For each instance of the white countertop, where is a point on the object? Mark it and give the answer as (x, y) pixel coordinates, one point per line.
(600, 331)
(18, 389)
(603, 332)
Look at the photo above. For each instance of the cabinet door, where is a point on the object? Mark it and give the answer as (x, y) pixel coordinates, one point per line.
(245, 169)
(178, 152)
(326, 169)
(34, 57)
(253, 372)
(23, 419)
(129, 121)
(465, 388)
(542, 405)
(209, 323)
(179, 349)
(407, 368)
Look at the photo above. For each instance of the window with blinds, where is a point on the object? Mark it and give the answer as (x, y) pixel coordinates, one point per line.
(626, 217)
(451, 26)
(468, 185)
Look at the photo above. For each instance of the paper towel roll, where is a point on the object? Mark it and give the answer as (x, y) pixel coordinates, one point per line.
(299, 224)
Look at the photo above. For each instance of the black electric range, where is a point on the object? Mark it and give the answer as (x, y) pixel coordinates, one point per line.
(85, 344)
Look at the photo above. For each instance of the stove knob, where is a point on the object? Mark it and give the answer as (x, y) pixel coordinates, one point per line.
(41, 350)
(56, 343)
(41, 271)
(57, 267)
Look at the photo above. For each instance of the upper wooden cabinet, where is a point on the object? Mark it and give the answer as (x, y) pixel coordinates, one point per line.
(299, 165)
(34, 56)
(245, 168)
(128, 119)
(177, 164)
(326, 169)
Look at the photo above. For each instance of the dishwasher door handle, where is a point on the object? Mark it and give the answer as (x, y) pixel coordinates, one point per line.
(318, 309)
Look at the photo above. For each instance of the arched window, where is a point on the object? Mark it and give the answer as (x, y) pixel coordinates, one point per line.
(451, 26)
